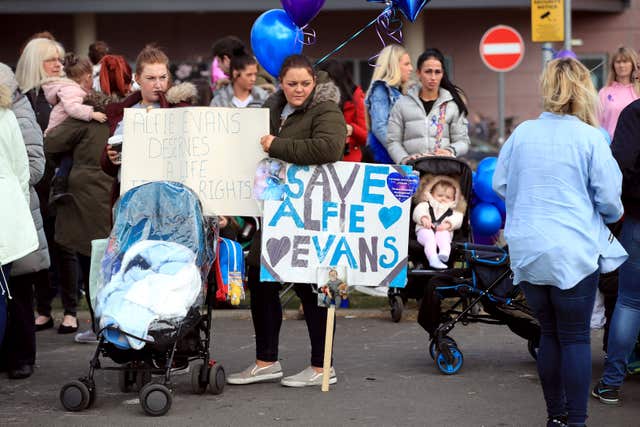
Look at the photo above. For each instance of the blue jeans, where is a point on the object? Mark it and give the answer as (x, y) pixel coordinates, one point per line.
(625, 322)
(4, 289)
(564, 358)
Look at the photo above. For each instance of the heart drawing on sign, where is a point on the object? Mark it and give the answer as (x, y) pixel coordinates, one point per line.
(402, 187)
(277, 249)
(389, 216)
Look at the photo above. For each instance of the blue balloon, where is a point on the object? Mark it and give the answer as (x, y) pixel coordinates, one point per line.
(274, 37)
(485, 219)
(484, 187)
(501, 207)
(606, 135)
(488, 163)
(410, 8)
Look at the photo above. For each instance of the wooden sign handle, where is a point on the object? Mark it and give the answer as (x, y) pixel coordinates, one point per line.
(328, 346)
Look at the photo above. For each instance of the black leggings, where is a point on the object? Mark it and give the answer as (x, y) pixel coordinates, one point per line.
(19, 346)
(266, 312)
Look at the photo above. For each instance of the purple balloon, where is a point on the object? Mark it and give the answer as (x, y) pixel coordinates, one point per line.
(564, 53)
(302, 12)
(410, 8)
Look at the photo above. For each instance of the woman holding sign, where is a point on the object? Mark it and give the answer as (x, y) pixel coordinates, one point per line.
(432, 118)
(307, 128)
(153, 77)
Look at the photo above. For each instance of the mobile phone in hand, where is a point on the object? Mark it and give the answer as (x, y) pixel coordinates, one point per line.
(115, 142)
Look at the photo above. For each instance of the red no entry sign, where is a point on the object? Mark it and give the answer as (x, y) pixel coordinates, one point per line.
(501, 48)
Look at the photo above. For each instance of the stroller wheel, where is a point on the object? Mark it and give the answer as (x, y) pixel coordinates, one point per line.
(217, 379)
(75, 396)
(397, 306)
(451, 366)
(126, 378)
(533, 349)
(433, 345)
(93, 394)
(197, 386)
(156, 399)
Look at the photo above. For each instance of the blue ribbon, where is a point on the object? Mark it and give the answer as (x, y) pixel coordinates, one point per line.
(383, 20)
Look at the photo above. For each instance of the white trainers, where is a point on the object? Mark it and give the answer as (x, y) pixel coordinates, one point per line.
(435, 262)
(308, 377)
(86, 337)
(254, 374)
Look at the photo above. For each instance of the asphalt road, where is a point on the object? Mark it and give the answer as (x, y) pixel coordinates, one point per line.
(385, 378)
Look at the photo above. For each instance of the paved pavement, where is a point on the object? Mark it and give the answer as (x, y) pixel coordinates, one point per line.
(385, 378)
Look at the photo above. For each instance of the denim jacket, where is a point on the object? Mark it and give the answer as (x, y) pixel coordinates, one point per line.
(379, 101)
(561, 185)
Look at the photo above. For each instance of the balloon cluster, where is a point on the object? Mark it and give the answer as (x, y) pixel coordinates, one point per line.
(488, 211)
(277, 33)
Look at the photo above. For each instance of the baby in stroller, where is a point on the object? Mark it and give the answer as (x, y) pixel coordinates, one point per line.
(439, 211)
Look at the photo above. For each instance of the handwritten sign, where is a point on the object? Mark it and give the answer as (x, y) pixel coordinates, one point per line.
(214, 151)
(354, 215)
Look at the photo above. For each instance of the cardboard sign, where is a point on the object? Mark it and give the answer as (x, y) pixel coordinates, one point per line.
(214, 151)
(347, 214)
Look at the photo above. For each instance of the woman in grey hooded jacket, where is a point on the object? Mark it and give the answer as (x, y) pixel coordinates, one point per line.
(33, 268)
(431, 118)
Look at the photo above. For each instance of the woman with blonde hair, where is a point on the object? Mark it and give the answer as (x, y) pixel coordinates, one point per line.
(561, 185)
(623, 87)
(42, 59)
(390, 78)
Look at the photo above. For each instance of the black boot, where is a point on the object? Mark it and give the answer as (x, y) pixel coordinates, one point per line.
(21, 372)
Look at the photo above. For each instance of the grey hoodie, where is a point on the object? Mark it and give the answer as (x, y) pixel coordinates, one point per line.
(224, 96)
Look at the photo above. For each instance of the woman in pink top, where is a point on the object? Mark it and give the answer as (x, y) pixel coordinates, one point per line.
(623, 87)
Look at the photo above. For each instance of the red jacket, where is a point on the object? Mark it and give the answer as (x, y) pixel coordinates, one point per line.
(354, 115)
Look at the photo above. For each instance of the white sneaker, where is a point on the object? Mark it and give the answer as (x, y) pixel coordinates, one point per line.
(308, 377)
(86, 337)
(443, 257)
(253, 374)
(435, 262)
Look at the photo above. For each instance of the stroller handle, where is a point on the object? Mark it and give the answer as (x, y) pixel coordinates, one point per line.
(476, 247)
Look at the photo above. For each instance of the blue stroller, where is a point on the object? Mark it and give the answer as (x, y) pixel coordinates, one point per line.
(477, 276)
(147, 307)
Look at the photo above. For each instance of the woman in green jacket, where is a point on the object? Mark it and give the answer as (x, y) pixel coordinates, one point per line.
(307, 128)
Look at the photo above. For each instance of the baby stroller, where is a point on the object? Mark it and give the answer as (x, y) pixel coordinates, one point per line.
(147, 305)
(477, 275)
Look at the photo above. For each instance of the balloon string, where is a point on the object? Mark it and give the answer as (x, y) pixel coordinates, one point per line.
(353, 37)
(308, 36)
(383, 27)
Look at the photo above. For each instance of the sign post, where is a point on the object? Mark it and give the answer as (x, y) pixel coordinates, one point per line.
(501, 50)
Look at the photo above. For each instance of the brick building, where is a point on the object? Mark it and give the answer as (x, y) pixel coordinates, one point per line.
(187, 28)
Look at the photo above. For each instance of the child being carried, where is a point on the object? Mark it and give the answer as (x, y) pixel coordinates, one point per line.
(439, 211)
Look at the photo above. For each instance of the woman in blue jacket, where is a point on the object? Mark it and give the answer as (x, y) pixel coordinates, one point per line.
(390, 76)
(561, 185)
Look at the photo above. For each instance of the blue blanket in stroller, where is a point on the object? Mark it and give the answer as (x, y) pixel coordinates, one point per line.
(158, 256)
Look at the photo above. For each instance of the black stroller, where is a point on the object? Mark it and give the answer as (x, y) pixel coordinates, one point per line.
(159, 237)
(475, 274)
